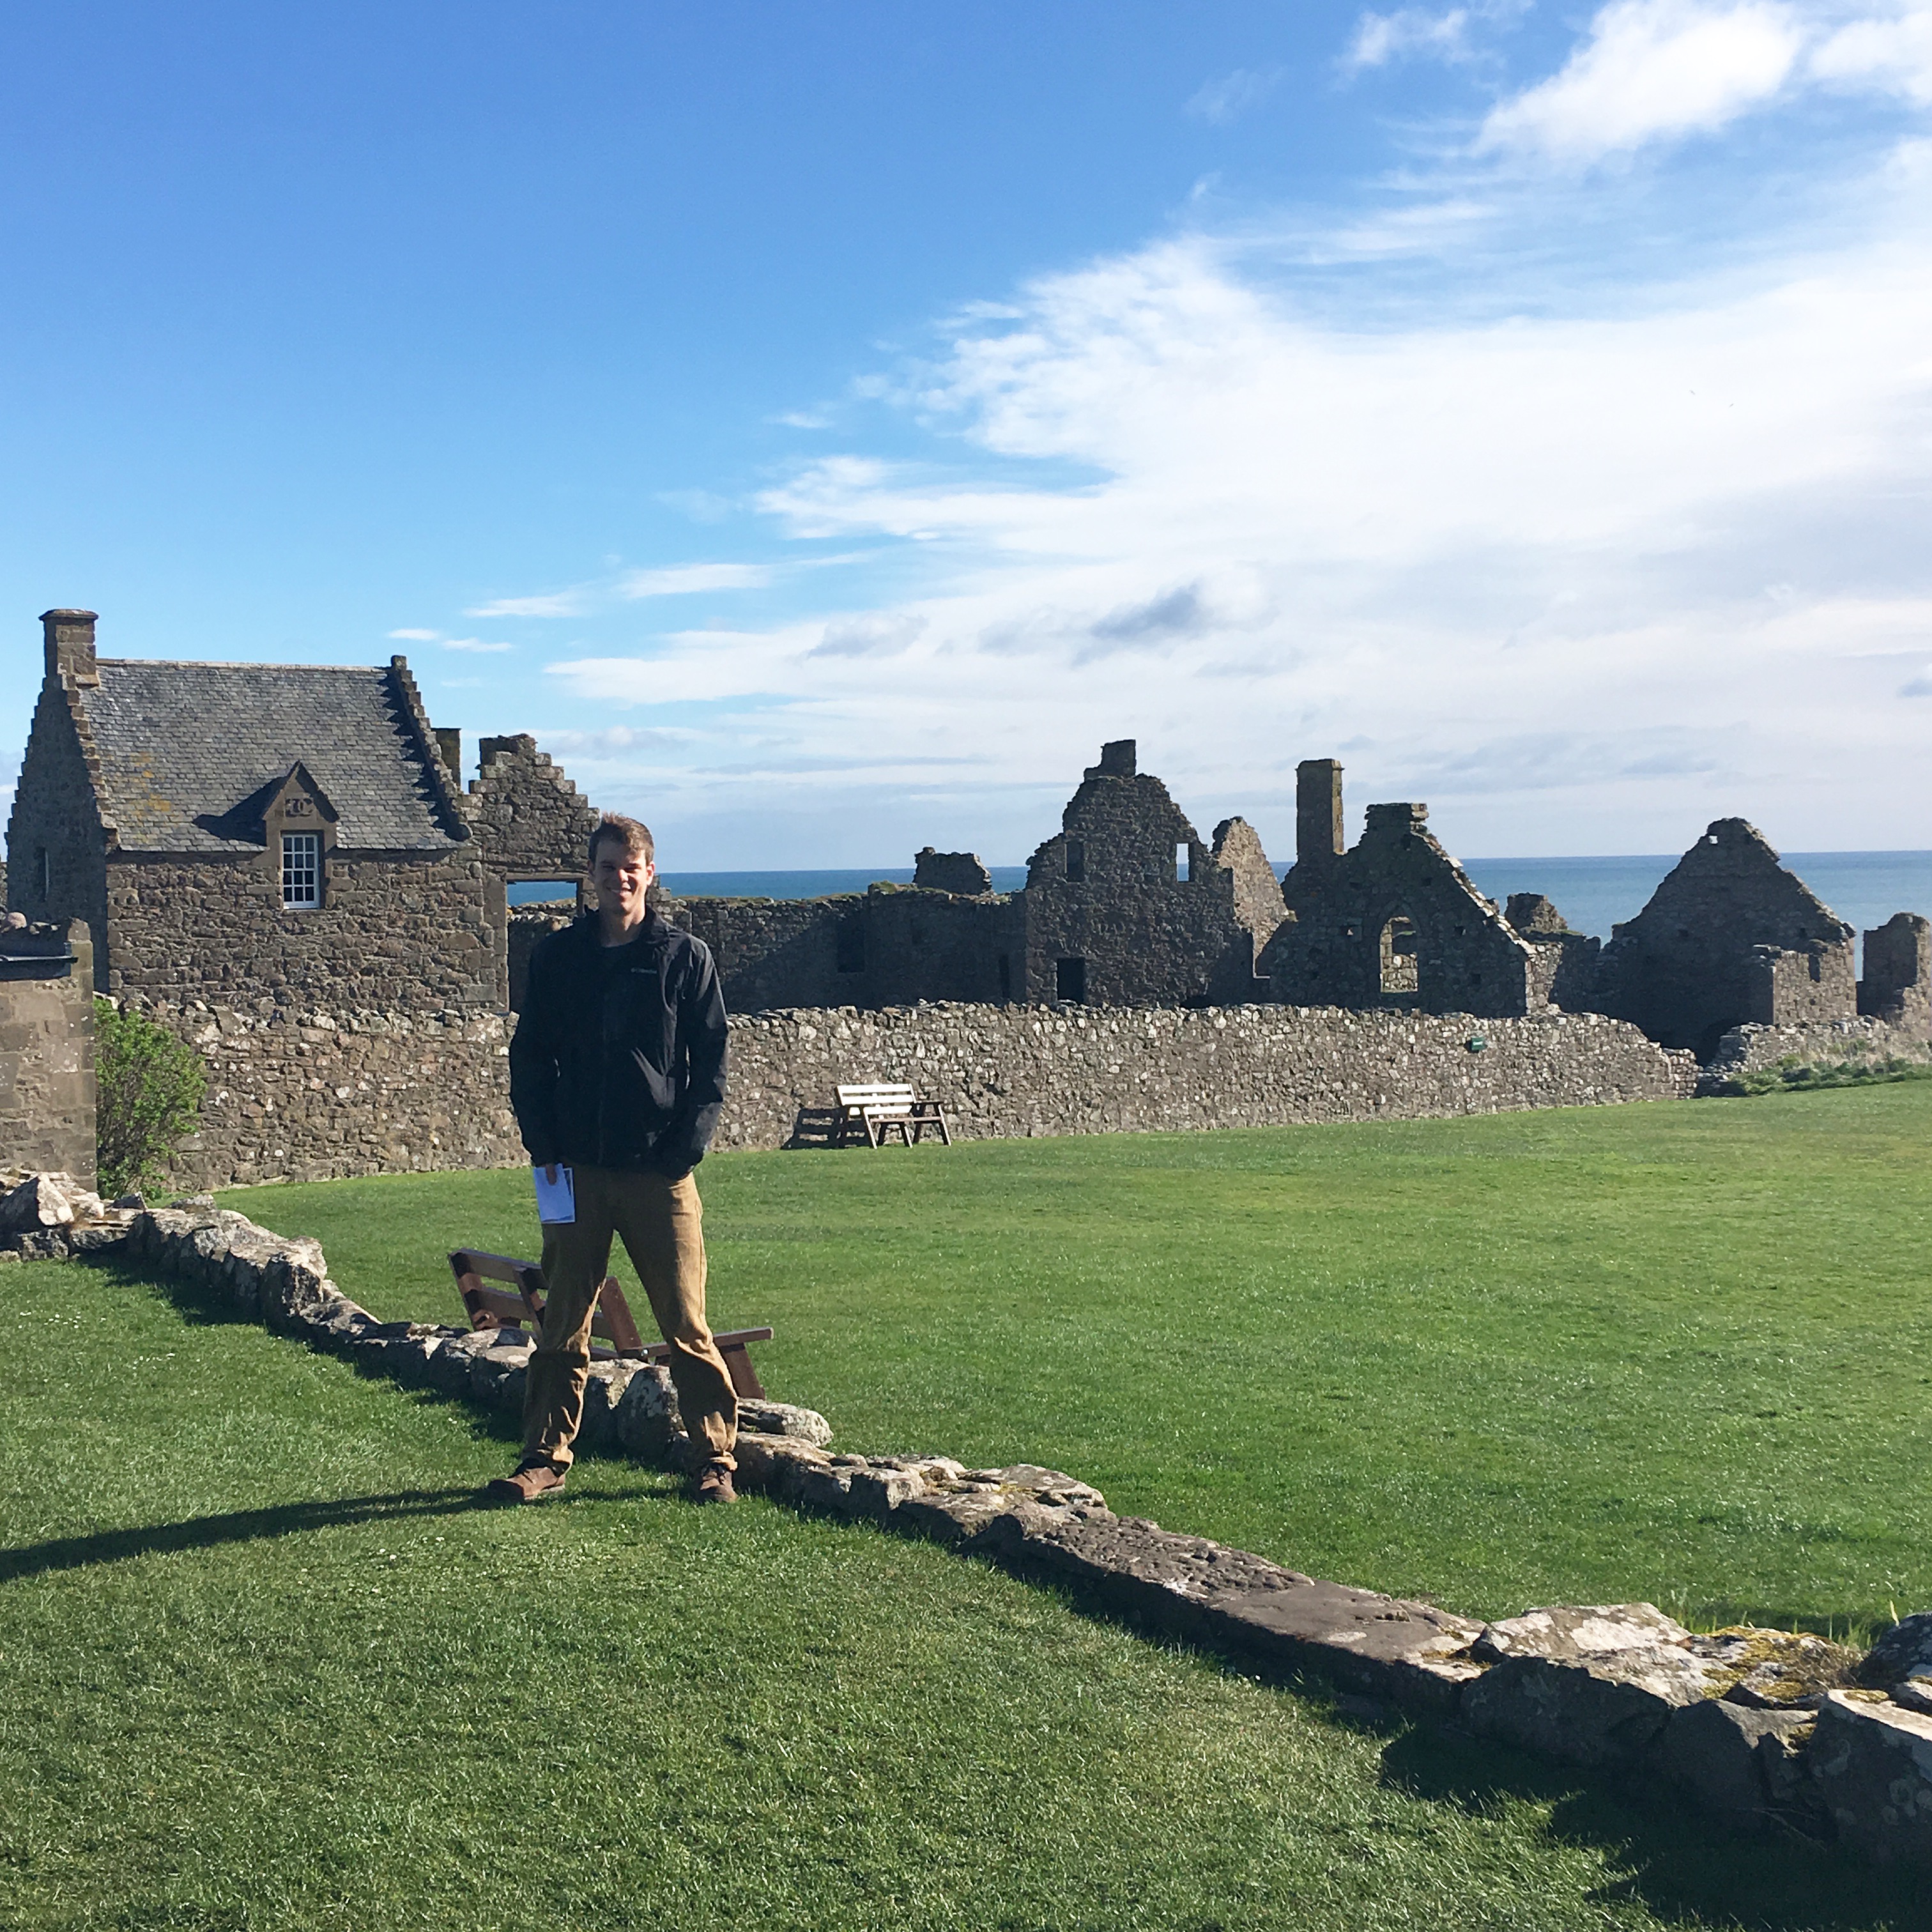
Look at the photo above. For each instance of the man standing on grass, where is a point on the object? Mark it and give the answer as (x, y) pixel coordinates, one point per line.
(617, 1076)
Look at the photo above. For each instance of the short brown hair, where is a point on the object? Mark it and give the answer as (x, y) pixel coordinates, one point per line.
(633, 837)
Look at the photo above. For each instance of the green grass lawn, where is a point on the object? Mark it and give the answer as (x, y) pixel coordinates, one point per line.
(262, 1668)
(1672, 1351)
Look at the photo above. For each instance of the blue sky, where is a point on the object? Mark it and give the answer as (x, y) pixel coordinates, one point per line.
(823, 427)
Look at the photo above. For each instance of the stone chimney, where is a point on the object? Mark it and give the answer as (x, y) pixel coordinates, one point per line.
(1117, 759)
(449, 743)
(1318, 812)
(70, 646)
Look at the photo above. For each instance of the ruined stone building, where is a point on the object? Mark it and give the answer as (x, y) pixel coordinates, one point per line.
(1125, 905)
(1731, 938)
(1392, 921)
(231, 832)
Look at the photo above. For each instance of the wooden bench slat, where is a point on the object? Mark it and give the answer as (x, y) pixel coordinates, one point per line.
(610, 1317)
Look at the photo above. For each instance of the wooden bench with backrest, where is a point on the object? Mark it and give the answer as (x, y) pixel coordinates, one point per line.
(494, 1307)
(877, 1111)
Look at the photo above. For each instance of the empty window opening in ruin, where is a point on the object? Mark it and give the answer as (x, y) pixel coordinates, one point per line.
(1069, 981)
(1076, 860)
(301, 869)
(1398, 952)
(1006, 977)
(47, 868)
(541, 891)
(1180, 861)
(852, 943)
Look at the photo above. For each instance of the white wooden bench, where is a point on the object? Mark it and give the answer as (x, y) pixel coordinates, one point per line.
(876, 1112)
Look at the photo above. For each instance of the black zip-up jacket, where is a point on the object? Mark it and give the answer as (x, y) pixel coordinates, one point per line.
(619, 1056)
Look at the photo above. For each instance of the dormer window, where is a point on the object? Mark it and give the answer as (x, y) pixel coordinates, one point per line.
(301, 871)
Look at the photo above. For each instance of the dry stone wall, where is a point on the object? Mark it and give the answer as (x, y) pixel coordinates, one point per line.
(307, 1096)
(1751, 1048)
(1006, 1071)
(304, 1095)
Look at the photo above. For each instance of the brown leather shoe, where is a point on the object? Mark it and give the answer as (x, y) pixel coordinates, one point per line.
(713, 1485)
(530, 1484)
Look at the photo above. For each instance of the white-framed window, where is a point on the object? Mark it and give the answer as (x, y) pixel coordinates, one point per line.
(301, 868)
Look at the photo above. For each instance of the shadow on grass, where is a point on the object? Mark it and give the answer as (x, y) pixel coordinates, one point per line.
(211, 1532)
(1677, 1862)
(1673, 1862)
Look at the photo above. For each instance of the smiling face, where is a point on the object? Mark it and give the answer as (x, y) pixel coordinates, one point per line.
(621, 879)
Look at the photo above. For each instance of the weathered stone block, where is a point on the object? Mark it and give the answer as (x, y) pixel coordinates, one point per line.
(1872, 1762)
(1903, 1651)
(775, 1464)
(603, 1395)
(1603, 1709)
(647, 1418)
(1565, 1633)
(1714, 1750)
(781, 1418)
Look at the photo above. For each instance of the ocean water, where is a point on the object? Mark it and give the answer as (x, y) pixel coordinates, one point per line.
(1863, 888)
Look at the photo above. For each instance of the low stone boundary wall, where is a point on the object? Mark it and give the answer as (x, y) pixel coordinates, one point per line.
(318, 1096)
(1750, 1049)
(1006, 1071)
(1765, 1731)
(299, 1095)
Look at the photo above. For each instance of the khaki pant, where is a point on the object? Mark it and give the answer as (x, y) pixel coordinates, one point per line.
(661, 1222)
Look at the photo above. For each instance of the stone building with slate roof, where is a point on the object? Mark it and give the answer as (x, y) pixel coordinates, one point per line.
(235, 833)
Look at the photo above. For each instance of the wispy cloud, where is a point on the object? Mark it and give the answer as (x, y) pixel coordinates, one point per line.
(473, 644)
(1651, 69)
(551, 604)
(415, 637)
(1227, 99)
(1381, 38)
(682, 580)
(871, 636)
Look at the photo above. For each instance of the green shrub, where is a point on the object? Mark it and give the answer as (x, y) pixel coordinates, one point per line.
(150, 1087)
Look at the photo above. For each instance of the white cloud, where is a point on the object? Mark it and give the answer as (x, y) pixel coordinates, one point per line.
(870, 636)
(472, 644)
(1225, 100)
(1653, 69)
(1382, 38)
(1543, 542)
(416, 637)
(555, 604)
(681, 580)
(1891, 55)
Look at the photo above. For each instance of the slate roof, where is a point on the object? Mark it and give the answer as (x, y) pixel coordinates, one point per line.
(191, 753)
